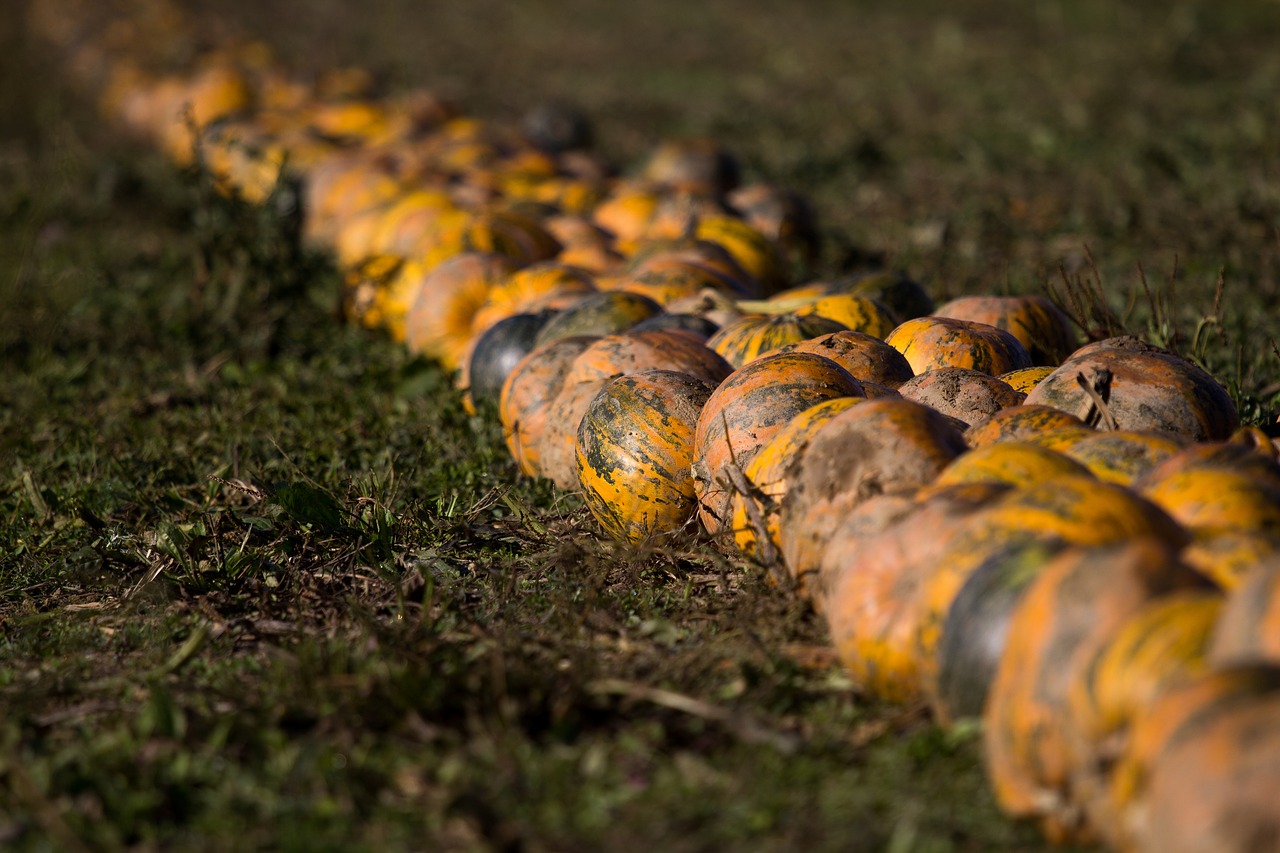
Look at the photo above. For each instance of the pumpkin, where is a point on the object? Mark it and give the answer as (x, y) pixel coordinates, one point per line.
(868, 581)
(1072, 609)
(1042, 327)
(1238, 491)
(634, 450)
(1125, 384)
(604, 313)
(447, 297)
(697, 165)
(858, 313)
(749, 408)
(626, 212)
(693, 323)
(1226, 557)
(527, 396)
(933, 342)
(975, 628)
(364, 289)
(1025, 378)
(1249, 630)
(868, 358)
(1161, 645)
(669, 279)
(1116, 457)
(1012, 463)
(1056, 512)
(496, 354)
(906, 298)
(756, 335)
(880, 446)
(666, 254)
(545, 285)
(759, 256)
(782, 215)
(608, 357)
(755, 513)
(969, 396)
(1214, 789)
(1196, 737)
(1020, 423)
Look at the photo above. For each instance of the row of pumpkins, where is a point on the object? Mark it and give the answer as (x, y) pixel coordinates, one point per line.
(1078, 544)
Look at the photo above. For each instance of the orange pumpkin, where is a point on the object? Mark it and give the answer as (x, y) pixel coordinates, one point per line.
(868, 358)
(880, 446)
(447, 297)
(1073, 608)
(1020, 423)
(969, 396)
(933, 342)
(749, 408)
(634, 449)
(755, 513)
(1125, 384)
(757, 335)
(605, 359)
(527, 396)
(1042, 327)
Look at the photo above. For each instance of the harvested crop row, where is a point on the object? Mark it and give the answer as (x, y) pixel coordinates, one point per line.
(1076, 543)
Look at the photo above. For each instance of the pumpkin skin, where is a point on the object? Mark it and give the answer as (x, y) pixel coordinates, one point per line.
(868, 358)
(976, 628)
(549, 284)
(1020, 423)
(1025, 379)
(1054, 513)
(757, 335)
(869, 583)
(1039, 324)
(932, 342)
(1143, 389)
(969, 396)
(1184, 720)
(527, 396)
(879, 446)
(634, 450)
(438, 325)
(767, 475)
(1120, 456)
(1249, 630)
(1069, 612)
(759, 256)
(904, 297)
(604, 313)
(748, 409)
(693, 323)
(604, 359)
(496, 354)
(854, 312)
(1012, 463)
(1160, 646)
(1234, 489)
(1215, 790)
(1226, 558)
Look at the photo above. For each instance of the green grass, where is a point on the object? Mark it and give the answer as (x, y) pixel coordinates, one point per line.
(262, 582)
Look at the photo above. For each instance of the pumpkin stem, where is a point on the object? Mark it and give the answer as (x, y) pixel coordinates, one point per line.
(1098, 391)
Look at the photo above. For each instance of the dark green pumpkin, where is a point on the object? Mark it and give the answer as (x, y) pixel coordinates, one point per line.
(605, 313)
(906, 298)
(977, 625)
(695, 323)
(498, 351)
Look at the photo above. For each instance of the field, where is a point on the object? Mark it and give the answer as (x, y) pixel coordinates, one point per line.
(263, 584)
